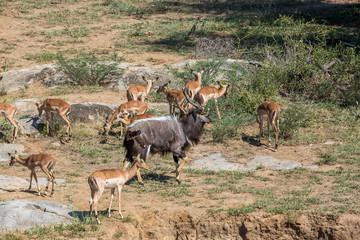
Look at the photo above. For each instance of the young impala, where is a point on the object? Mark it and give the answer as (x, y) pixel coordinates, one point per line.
(270, 110)
(124, 111)
(193, 87)
(111, 178)
(55, 106)
(139, 91)
(44, 161)
(174, 97)
(9, 112)
(208, 92)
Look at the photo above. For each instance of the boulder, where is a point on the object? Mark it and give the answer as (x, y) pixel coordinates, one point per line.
(90, 111)
(24, 214)
(9, 148)
(16, 79)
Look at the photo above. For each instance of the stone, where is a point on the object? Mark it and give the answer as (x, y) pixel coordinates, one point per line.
(25, 214)
(16, 79)
(90, 111)
(217, 162)
(213, 162)
(9, 148)
(269, 163)
(8, 183)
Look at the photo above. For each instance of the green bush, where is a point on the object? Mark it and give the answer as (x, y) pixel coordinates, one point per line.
(292, 119)
(87, 69)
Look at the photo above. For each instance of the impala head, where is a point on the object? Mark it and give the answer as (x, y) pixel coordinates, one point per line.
(140, 163)
(152, 80)
(223, 86)
(162, 87)
(13, 158)
(39, 108)
(197, 74)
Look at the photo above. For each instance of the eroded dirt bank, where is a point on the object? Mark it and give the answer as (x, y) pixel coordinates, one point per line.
(182, 225)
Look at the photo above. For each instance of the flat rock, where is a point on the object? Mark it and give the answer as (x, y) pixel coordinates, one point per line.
(9, 148)
(214, 162)
(217, 162)
(24, 214)
(269, 163)
(17, 183)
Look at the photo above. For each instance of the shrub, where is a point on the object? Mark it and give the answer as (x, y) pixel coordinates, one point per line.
(292, 119)
(87, 69)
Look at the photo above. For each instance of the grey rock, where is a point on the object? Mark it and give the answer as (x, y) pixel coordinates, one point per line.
(133, 75)
(162, 108)
(217, 162)
(214, 162)
(9, 148)
(24, 214)
(270, 163)
(31, 125)
(16, 183)
(86, 112)
(16, 79)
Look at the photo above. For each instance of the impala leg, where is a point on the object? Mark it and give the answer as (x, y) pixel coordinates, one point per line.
(268, 127)
(31, 176)
(217, 109)
(37, 183)
(52, 182)
(96, 200)
(47, 123)
(119, 191)
(16, 127)
(278, 130)
(91, 201)
(68, 129)
(111, 199)
(49, 179)
(261, 126)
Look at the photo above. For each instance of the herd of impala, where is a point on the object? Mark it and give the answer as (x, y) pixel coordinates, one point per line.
(133, 114)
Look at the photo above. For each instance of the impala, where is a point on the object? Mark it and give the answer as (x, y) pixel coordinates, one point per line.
(111, 178)
(270, 110)
(174, 97)
(139, 91)
(9, 112)
(55, 106)
(124, 111)
(209, 92)
(128, 121)
(193, 87)
(44, 161)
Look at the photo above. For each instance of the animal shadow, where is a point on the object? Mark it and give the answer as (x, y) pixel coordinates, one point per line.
(151, 177)
(251, 140)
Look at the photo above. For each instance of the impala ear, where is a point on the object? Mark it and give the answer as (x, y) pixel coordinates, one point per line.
(15, 152)
(9, 154)
(155, 79)
(145, 78)
(37, 104)
(202, 71)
